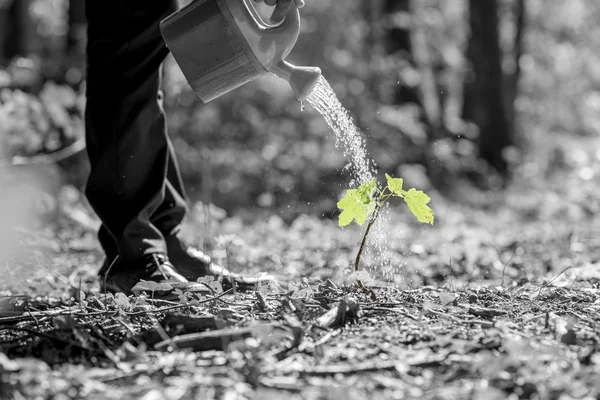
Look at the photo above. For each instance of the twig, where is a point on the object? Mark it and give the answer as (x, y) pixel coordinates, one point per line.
(327, 337)
(504, 269)
(272, 383)
(545, 284)
(211, 340)
(89, 314)
(232, 291)
(79, 295)
(385, 305)
(125, 325)
(163, 301)
(51, 158)
(229, 303)
(394, 310)
(164, 336)
(105, 275)
(161, 310)
(369, 366)
(22, 318)
(366, 290)
(37, 323)
(33, 332)
(126, 375)
(486, 324)
(134, 314)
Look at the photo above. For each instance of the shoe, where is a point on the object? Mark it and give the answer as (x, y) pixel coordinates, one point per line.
(194, 264)
(124, 275)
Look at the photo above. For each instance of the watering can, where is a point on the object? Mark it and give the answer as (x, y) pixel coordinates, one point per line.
(222, 44)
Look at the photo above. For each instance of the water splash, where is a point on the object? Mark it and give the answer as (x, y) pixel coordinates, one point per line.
(324, 100)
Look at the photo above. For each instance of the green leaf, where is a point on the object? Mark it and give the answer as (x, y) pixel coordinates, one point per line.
(358, 204)
(367, 190)
(417, 204)
(395, 185)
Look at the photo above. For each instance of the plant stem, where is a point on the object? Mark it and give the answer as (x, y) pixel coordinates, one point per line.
(367, 290)
(383, 198)
(364, 239)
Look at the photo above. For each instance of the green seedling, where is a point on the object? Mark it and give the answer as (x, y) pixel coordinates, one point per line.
(366, 202)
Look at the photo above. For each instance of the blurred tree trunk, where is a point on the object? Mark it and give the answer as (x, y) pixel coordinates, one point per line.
(397, 41)
(76, 27)
(373, 11)
(427, 89)
(485, 91)
(520, 12)
(20, 30)
(398, 36)
(5, 6)
(390, 39)
(5, 27)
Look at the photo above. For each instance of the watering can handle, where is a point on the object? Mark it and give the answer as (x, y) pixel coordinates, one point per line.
(271, 25)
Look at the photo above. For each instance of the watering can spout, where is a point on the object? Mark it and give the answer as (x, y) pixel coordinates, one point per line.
(302, 79)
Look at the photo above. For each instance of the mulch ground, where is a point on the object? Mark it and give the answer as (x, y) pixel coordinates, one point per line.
(484, 310)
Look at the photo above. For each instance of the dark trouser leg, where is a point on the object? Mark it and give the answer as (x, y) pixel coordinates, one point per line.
(167, 218)
(170, 213)
(134, 183)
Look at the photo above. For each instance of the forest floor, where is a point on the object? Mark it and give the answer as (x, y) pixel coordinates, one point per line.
(496, 301)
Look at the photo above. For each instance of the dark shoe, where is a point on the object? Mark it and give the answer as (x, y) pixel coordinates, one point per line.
(124, 275)
(194, 264)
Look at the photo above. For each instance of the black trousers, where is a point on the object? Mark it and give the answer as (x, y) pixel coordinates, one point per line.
(134, 184)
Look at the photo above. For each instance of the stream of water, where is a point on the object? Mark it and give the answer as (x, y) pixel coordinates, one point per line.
(324, 100)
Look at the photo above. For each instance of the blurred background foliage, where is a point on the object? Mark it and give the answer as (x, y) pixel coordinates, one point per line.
(454, 94)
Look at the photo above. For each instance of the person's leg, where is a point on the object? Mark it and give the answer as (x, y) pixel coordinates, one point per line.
(169, 215)
(167, 218)
(134, 184)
